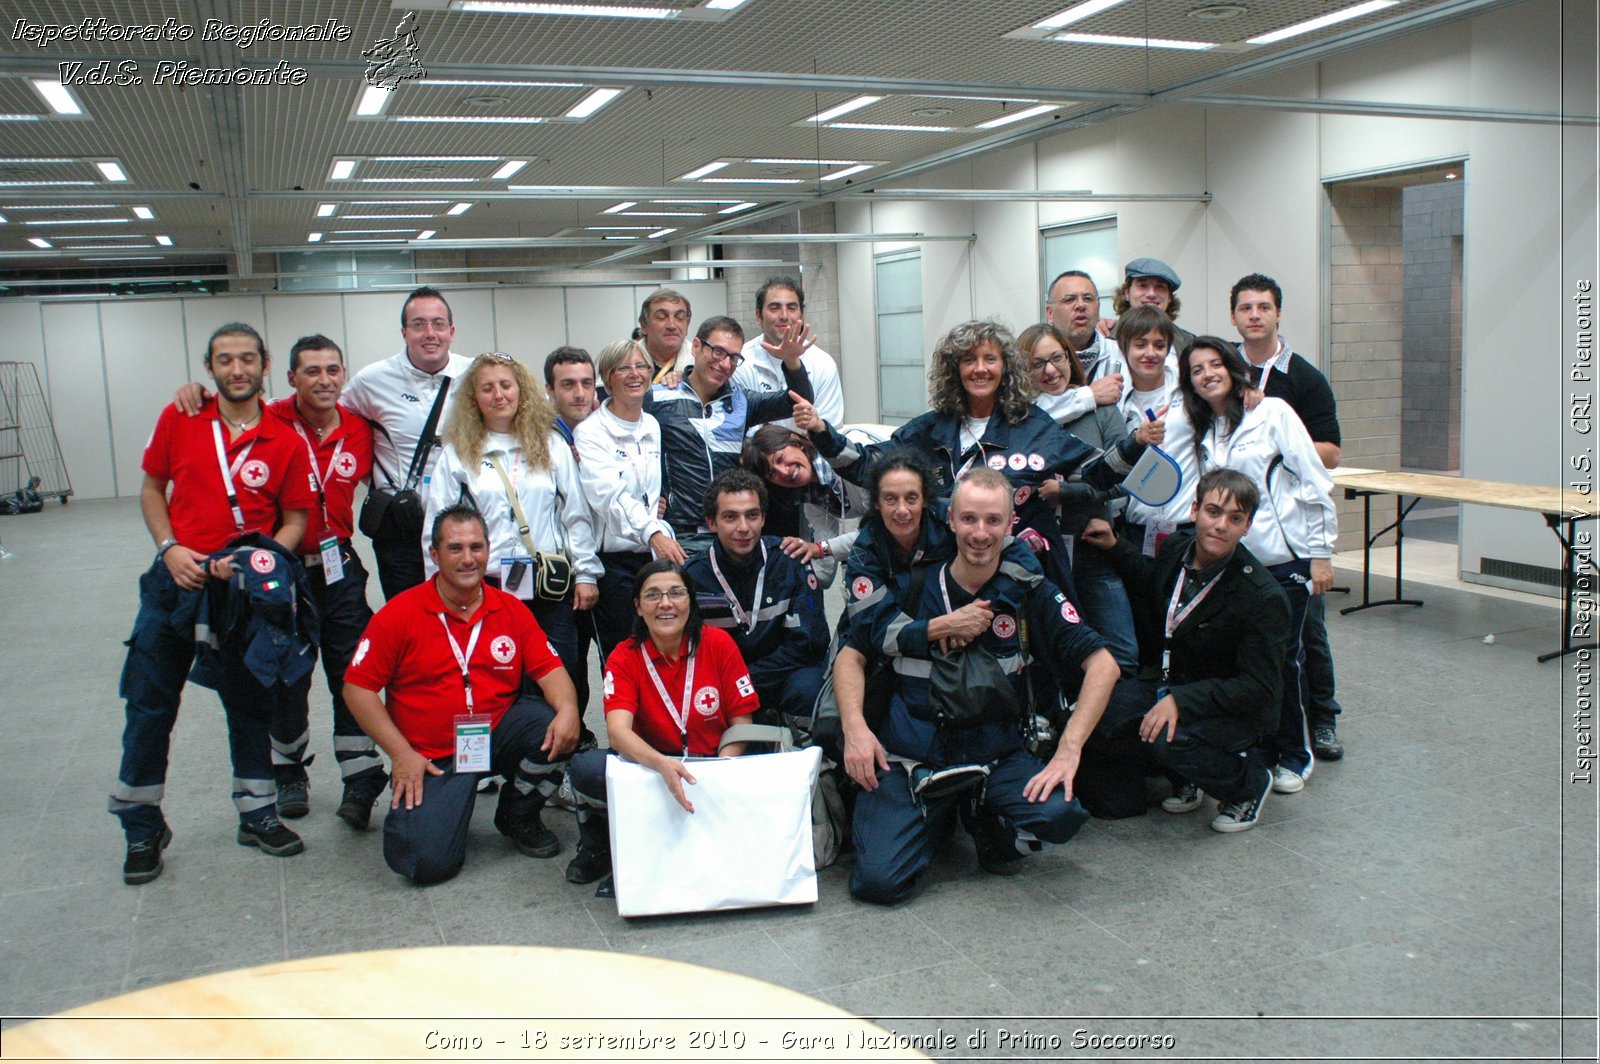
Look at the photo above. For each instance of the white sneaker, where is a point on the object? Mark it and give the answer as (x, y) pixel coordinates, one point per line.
(1286, 780)
(1242, 816)
(1186, 799)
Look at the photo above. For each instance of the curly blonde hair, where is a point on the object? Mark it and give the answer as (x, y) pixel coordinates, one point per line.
(945, 394)
(531, 427)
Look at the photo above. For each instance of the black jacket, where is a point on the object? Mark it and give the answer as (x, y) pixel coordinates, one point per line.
(1227, 656)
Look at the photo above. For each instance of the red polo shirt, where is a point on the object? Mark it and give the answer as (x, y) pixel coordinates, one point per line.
(405, 653)
(722, 690)
(343, 457)
(270, 475)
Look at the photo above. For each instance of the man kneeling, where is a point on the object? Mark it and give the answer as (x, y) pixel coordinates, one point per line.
(451, 655)
(1213, 627)
(934, 725)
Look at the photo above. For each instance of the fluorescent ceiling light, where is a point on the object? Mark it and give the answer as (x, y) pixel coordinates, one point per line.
(164, 241)
(736, 208)
(619, 238)
(97, 236)
(418, 180)
(891, 127)
(710, 202)
(618, 228)
(325, 210)
(373, 100)
(427, 234)
(661, 214)
(112, 170)
(38, 243)
(846, 172)
(1133, 42)
(1324, 20)
(526, 7)
(124, 258)
(510, 168)
(724, 5)
(593, 102)
(437, 158)
(808, 162)
(62, 207)
(144, 213)
(503, 82)
(19, 118)
(399, 202)
(526, 120)
(620, 207)
(57, 95)
(708, 168)
(4, 220)
(366, 240)
(843, 109)
(342, 169)
(986, 99)
(1016, 116)
(752, 180)
(660, 233)
(313, 238)
(381, 217)
(41, 184)
(459, 209)
(82, 221)
(1075, 13)
(362, 232)
(110, 247)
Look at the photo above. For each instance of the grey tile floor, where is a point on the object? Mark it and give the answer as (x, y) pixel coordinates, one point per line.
(1433, 895)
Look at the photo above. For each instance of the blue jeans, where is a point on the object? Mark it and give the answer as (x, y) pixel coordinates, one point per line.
(1105, 606)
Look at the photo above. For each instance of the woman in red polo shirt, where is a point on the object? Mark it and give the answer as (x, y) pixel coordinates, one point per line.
(671, 689)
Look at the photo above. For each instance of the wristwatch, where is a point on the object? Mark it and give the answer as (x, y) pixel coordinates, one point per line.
(164, 546)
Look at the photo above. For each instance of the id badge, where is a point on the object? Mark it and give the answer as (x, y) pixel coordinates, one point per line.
(1154, 534)
(472, 743)
(332, 560)
(516, 577)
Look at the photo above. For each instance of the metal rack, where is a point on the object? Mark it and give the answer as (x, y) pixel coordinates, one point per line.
(29, 449)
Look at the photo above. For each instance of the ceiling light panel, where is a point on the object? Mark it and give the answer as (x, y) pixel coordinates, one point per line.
(592, 103)
(1333, 18)
(58, 97)
(529, 7)
(1133, 42)
(849, 106)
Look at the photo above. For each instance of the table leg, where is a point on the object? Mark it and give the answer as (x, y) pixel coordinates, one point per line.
(1569, 587)
(1369, 537)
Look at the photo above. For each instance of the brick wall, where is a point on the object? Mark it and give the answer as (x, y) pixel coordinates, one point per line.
(1430, 433)
(818, 272)
(1366, 319)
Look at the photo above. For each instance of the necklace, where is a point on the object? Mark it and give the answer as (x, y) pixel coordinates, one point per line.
(462, 607)
(247, 422)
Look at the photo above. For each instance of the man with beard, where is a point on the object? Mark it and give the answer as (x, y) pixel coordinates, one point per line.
(232, 470)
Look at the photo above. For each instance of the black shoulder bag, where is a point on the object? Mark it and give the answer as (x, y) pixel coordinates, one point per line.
(396, 514)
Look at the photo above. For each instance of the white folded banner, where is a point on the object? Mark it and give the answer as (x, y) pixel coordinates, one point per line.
(747, 843)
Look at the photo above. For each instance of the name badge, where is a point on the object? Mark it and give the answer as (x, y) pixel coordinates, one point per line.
(332, 560)
(516, 577)
(472, 743)
(1155, 533)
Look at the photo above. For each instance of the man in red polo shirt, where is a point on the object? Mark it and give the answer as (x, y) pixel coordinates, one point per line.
(451, 655)
(232, 471)
(338, 446)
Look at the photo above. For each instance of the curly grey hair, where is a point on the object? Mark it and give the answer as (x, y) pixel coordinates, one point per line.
(945, 394)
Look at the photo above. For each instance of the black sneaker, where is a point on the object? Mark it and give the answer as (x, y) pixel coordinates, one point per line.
(588, 865)
(270, 835)
(355, 808)
(997, 851)
(1325, 743)
(532, 838)
(1242, 816)
(294, 799)
(1186, 798)
(143, 862)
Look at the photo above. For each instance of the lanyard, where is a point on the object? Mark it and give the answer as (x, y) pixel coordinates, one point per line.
(463, 658)
(1175, 616)
(229, 472)
(680, 716)
(1266, 369)
(943, 590)
(319, 478)
(977, 441)
(746, 619)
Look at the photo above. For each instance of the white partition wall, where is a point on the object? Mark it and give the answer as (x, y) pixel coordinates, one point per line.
(109, 366)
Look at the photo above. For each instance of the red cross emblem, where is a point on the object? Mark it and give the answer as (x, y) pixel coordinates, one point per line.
(255, 473)
(861, 587)
(344, 465)
(503, 649)
(1069, 613)
(262, 561)
(707, 701)
(1004, 626)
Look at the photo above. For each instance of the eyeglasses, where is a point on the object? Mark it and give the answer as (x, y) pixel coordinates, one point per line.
(720, 353)
(423, 324)
(1058, 360)
(633, 367)
(655, 595)
(1068, 301)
